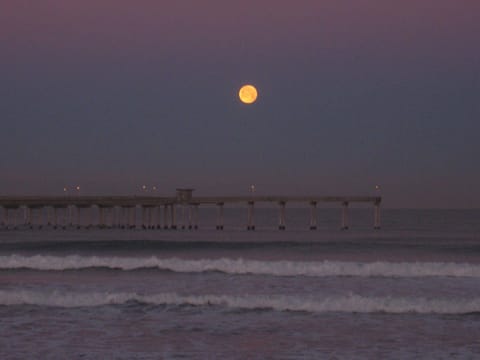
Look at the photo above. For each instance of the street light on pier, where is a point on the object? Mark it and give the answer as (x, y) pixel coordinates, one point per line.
(147, 189)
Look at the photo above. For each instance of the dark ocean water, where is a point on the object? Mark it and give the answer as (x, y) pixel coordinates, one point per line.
(409, 290)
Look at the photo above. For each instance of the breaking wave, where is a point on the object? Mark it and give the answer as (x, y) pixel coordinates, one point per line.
(243, 266)
(349, 304)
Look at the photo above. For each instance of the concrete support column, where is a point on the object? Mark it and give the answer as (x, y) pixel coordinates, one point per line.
(37, 217)
(125, 218)
(33, 217)
(88, 212)
(109, 217)
(151, 224)
(313, 215)
(43, 216)
(195, 217)
(149, 218)
(114, 217)
(14, 218)
(70, 215)
(128, 217)
(105, 217)
(6, 219)
(281, 220)
(76, 216)
(121, 217)
(220, 216)
(65, 217)
(159, 217)
(376, 221)
(4, 223)
(27, 216)
(345, 215)
(183, 218)
(94, 216)
(165, 216)
(250, 217)
(82, 217)
(55, 217)
(48, 211)
(70, 212)
(101, 217)
(143, 214)
(89, 217)
(132, 223)
(190, 226)
(144, 211)
(173, 217)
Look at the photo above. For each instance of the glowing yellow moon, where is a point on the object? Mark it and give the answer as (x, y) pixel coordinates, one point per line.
(248, 94)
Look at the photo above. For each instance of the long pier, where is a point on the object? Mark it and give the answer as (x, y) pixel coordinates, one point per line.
(156, 212)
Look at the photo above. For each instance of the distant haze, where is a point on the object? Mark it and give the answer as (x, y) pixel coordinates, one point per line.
(112, 95)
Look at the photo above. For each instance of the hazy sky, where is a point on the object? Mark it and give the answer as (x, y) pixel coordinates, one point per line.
(110, 95)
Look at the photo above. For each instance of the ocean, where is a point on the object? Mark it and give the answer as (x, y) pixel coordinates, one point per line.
(408, 290)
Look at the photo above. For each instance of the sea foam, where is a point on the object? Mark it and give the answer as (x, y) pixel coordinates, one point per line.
(350, 304)
(244, 266)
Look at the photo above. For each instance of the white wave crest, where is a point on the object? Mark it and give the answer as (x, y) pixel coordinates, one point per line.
(350, 304)
(243, 266)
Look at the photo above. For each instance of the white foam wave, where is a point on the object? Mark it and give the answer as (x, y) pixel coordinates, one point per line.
(350, 304)
(243, 266)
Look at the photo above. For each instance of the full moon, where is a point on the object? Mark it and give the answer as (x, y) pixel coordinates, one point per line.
(248, 94)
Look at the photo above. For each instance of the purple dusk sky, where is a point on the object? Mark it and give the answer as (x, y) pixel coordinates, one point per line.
(110, 95)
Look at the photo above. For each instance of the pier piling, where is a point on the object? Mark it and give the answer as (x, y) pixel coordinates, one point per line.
(250, 216)
(313, 215)
(281, 225)
(220, 216)
(345, 215)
